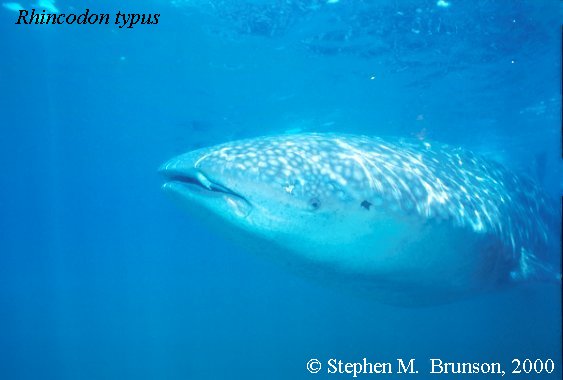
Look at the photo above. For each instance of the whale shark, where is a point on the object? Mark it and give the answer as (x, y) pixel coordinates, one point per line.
(408, 222)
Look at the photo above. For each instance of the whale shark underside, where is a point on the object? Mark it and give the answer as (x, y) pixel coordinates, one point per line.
(409, 222)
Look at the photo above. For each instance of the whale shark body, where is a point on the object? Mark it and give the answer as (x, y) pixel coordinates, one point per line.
(408, 222)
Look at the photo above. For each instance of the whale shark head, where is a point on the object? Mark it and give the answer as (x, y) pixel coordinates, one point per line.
(307, 196)
(272, 187)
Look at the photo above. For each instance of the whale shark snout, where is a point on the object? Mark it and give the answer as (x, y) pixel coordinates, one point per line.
(185, 181)
(405, 220)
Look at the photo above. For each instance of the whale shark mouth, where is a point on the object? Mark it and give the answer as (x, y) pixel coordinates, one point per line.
(199, 181)
(196, 183)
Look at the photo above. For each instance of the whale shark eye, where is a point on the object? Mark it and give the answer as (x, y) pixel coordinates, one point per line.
(314, 203)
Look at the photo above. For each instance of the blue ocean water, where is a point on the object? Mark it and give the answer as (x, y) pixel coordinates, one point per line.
(103, 277)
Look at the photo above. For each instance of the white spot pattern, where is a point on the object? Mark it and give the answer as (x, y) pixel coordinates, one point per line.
(434, 181)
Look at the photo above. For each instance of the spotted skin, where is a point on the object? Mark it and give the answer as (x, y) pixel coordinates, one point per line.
(425, 182)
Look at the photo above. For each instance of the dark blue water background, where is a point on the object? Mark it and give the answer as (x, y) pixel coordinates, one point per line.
(103, 277)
